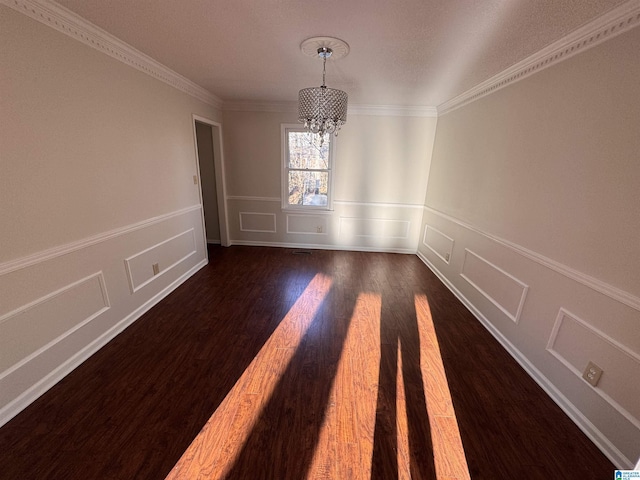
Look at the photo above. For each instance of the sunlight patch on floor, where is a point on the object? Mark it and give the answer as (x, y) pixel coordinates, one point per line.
(350, 415)
(402, 422)
(448, 452)
(345, 445)
(214, 450)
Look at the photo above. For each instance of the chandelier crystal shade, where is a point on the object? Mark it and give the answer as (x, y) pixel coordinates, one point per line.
(323, 110)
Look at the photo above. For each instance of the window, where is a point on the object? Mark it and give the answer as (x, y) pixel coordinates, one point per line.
(306, 169)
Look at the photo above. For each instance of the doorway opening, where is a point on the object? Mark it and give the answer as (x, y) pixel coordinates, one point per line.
(208, 138)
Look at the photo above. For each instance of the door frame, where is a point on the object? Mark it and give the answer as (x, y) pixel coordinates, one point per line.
(219, 172)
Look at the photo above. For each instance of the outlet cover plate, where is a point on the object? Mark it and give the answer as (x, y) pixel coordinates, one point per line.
(592, 373)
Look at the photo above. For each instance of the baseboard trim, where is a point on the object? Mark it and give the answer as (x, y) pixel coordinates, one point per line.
(312, 246)
(588, 428)
(21, 402)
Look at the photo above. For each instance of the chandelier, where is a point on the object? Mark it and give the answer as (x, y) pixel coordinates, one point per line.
(323, 110)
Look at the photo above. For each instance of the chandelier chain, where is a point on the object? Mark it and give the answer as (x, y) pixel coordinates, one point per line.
(324, 69)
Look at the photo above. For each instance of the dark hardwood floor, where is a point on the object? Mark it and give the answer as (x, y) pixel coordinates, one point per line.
(274, 364)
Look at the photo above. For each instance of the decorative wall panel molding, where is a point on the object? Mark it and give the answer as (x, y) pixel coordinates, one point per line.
(374, 227)
(350, 225)
(605, 27)
(596, 435)
(166, 255)
(54, 252)
(326, 246)
(67, 22)
(438, 243)
(58, 361)
(377, 204)
(499, 287)
(599, 286)
(257, 222)
(307, 224)
(50, 318)
(574, 342)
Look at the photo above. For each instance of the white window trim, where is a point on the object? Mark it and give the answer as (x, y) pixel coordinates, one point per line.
(284, 165)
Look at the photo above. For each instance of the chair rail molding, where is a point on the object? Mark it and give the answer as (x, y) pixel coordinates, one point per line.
(51, 253)
(610, 291)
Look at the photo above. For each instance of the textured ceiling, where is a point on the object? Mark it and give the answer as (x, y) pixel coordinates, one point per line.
(403, 52)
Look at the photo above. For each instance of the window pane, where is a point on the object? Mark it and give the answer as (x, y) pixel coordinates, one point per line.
(305, 151)
(308, 188)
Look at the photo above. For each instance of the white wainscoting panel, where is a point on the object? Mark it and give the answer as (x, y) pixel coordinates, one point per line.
(307, 224)
(508, 275)
(499, 287)
(438, 243)
(379, 227)
(55, 312)
(167, 254)
(31, 328)
(574, 342)
(257, 222)
(374, 227)
(607, 289)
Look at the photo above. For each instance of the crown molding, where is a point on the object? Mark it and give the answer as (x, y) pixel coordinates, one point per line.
(376, 110)
(611, 24)
(393, 110)
(67, 22)
(617, 21)
(282, 107)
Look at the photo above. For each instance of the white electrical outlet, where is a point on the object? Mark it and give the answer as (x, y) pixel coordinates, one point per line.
(592, 373)
(319, 229)
(156, 268)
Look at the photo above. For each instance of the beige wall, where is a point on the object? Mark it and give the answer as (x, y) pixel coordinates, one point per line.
(533, 194)
(96, 185)
(112, 147)
(381, 169)
(529, 215)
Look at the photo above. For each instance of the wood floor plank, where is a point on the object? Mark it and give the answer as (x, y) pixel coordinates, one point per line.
(270, 365)
(364, 359)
